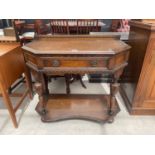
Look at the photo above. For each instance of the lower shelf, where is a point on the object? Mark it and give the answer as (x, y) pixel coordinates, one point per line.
(89, 107)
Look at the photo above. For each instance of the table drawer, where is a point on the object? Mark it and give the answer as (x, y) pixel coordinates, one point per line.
(75, 62)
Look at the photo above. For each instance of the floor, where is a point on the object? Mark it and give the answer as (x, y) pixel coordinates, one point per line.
(30, 123)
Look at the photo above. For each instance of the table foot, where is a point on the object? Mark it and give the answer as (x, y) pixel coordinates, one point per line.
(110, 112)
(41, 111)
(111, 120)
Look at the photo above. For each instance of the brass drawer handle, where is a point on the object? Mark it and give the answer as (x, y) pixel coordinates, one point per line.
(93, 63)
(55, 63)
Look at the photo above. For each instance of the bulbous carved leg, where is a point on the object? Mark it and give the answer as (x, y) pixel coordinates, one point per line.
(114, 87)
(42, 99)
(111, 120)
(46, 83)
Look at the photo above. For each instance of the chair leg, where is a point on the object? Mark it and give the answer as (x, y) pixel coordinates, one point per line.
(9, 107)
(11, 88)
(80, 78)
(67, 78)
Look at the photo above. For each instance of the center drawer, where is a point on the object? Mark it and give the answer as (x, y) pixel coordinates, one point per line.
(75, 62)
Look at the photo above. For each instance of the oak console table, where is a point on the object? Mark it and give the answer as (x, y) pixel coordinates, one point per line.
(76, 55)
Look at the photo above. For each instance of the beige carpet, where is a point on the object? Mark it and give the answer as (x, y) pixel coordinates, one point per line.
(30, 122)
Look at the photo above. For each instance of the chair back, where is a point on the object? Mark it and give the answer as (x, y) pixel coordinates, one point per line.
(40, 27)
(85, 26)
(18, 27)
(59, 26)
(115, 25)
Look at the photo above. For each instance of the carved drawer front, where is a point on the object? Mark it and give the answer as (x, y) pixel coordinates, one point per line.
(30, 58)
(75, 62)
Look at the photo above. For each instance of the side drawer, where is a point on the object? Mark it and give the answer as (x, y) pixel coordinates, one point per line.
(74, 61)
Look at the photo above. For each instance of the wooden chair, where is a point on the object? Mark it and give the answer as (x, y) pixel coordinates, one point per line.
(115, 25)
(85, 26)
(18, 26)
(41, 27)
(59, 26)
(12, 66)
(21, 35)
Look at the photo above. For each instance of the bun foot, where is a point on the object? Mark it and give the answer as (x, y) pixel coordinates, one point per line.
(110, 112)
(110, 120)
(44, 111)
(41, 111)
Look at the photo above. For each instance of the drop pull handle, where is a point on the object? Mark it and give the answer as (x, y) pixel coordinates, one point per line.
(93, 63)
(55, 63)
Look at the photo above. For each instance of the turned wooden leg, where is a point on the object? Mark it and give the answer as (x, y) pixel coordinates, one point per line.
(42, 99)
(46, 83)
(49, 79)
(110, 120)
(114, 87)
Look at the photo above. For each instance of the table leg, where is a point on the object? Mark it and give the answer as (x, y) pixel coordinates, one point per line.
(42, 99)
(114, 88)
(28, 80)
(46, 84)
(41, 88)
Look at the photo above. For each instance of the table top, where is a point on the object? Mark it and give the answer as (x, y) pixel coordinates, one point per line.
(121, 35)
(76, 44)
(143, 24)
(8, 38)
(7, 47)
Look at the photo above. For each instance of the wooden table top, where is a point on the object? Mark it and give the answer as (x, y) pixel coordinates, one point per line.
(7, 38)
(143, 24)
(121, 35)
(7, 47)
(76, 44)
